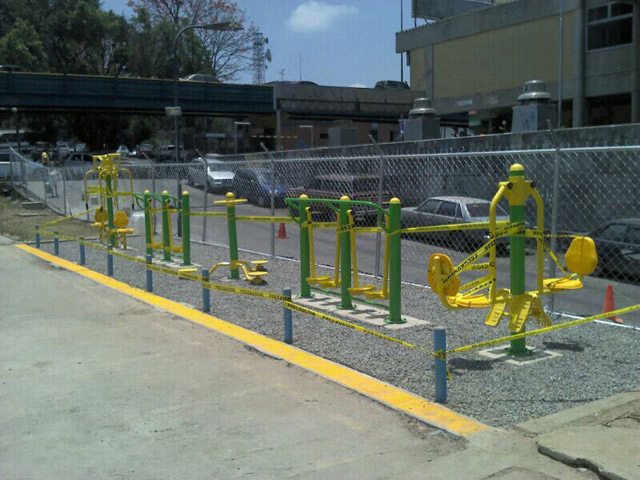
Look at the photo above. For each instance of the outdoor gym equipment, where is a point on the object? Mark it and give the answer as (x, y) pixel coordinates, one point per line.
(519, 305)
(111, 225)
(346, 256)
(253, 271)
(169, 205)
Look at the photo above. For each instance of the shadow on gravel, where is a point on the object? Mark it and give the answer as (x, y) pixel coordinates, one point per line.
(567, 346)
(471, 365)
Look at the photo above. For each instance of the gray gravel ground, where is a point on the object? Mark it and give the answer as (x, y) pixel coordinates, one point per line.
(596, 360)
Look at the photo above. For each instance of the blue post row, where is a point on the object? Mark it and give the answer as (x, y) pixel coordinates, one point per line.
(110, 261)
(149, 259)
(37, 236)
(56, 243)
(288, 320)
(206, 293)
(440, 345)
(83, 258)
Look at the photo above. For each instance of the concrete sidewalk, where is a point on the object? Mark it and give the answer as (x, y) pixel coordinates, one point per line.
(95, 384)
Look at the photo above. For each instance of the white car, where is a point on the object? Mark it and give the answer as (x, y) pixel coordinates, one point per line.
(124, 151)
(217, 179)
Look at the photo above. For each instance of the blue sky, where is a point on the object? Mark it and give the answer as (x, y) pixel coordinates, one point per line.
(330, 42)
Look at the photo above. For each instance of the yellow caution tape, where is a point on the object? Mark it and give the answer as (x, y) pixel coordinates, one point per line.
(207, 214)
(540, 331)
(538, 234)
(476, 282)
(58, 220)
(455, 226)
(367, 230)
(320, 225)
(477, 267)
(246, 291)
(299, 308)
(261, 218)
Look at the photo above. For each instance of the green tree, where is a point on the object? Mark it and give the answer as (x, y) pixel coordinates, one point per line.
(23, 46)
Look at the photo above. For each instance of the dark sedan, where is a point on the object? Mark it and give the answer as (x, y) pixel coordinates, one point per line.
(618, 247)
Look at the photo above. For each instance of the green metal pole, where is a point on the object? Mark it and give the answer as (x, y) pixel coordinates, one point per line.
(186, 230)
(110, 224)
(305, 261)
(148, 222)
(345, 256)
(166, 227)
(519, 191)
(233, 235)
(395, 260)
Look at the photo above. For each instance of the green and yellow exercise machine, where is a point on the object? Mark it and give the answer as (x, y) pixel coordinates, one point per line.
(169, 205)
(110, 220)
(514, 302)
(345, 274)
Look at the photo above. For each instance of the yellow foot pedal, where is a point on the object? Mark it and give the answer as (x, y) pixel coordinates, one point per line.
(361, 290)
(315, 280)
(259, 265)
(495, 314)
(559, 284)
(377, 295)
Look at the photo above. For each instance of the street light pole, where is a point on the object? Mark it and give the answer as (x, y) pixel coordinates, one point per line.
(310, 127)
(225, 26)
(235, 134)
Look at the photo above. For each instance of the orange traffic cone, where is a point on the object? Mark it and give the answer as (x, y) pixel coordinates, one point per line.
(609, 306)
(282, 232)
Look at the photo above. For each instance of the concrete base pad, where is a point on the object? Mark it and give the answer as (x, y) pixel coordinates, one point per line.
(363, 313)
(537, 355)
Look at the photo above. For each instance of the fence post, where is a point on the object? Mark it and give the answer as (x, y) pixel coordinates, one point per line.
(186, 229)
(153, 189)
(345, 255)
(272, 245)
(149, 259)
(179, 220)
(395, 260)
(305, 261)
(440, 347)
(148, 223)
(288, 320)
(206, 293)
(233, 236)
(109, 261)
(166, 227)
(37, 236)
(64, 192)
(554, 220)
(56, 243)
(83, 258)
(205, 201)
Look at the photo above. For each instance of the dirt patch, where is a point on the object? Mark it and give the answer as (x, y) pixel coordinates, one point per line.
(18, 222)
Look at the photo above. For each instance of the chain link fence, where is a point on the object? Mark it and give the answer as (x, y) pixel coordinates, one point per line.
(585, 190)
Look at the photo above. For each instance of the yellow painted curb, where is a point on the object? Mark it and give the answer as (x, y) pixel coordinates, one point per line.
(396, 398)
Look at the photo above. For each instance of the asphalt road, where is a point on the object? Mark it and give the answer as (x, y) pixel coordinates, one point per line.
(257, 236)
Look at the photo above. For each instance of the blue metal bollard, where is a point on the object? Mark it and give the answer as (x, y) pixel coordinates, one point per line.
(83, 258)
(149, 259)
(56, 243)
(440, 345)
(37, 236)
(206, 293)
(288, 320)
(110, 261)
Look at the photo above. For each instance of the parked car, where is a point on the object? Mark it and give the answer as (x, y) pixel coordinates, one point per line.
(447, 210)
(334, 186)
(123, 150)
(200, 77)
(217, 179)
(618, 247)
(146, 150)
(63, 150)
(391, 85)
(167, 153)
(254, 184)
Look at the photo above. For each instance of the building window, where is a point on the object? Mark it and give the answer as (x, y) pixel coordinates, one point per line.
(609, 25)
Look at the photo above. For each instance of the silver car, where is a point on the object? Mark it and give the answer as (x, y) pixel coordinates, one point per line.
(448, 210)
(217, 179)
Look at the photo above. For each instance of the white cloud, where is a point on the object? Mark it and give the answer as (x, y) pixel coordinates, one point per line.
(358, 85)
(314, 16)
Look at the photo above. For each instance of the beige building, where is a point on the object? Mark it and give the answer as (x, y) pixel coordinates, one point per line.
(474, 65)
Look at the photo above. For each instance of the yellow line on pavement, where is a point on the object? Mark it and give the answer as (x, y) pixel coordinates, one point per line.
(377, 390)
